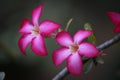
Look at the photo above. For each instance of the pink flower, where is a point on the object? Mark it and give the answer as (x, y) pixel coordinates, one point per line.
(73, 49)
(34, 32)
(115, 18)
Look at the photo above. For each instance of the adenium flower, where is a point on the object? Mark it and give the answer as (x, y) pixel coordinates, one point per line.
(73, 49)
(115, 18)
(35, 32)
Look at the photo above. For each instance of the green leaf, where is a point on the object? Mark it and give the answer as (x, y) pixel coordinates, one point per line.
(88, 66)
(88, 26)
(92, 38)
(99, 60)
(84, 58)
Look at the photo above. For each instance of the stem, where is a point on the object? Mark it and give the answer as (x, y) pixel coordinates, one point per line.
(68, 24)
(102, 46)
(61, 74)
(110, 42)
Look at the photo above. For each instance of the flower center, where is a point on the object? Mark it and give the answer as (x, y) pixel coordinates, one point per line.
(35, 30)
(74, 47)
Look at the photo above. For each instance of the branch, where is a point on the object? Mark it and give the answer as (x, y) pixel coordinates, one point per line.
(104, 45)
(61, 74)
(110, 42)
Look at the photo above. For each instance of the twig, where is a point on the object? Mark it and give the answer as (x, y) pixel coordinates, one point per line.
(68, 24)
(104, 45)
(61, 74)
(110, 42)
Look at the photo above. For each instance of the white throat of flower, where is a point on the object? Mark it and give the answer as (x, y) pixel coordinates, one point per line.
(74, 48)
(35, 31)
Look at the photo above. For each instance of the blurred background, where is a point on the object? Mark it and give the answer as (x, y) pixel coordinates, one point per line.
(31, 67)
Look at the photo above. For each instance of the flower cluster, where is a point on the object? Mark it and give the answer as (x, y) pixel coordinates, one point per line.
(73, 49)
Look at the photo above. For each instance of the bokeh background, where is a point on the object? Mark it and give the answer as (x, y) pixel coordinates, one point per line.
(31, 67)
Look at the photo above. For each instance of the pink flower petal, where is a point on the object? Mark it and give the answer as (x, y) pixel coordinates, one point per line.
(23, 42)
(36, 15)
(64, 39)
(38, 46)
(117, 28)
(60, 55)
(115, 17)
(26, 27)
(81, 35)
(74, 64)
(88, 50)
(47, 27)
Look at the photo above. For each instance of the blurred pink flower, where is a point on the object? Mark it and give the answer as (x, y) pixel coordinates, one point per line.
(34, 32)
(73, 49)
(115, 18)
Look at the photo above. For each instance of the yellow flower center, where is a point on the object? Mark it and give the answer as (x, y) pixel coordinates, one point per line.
(74, 47)
(35, 30)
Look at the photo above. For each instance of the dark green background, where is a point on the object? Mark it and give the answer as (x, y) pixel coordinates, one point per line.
(32, 67)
